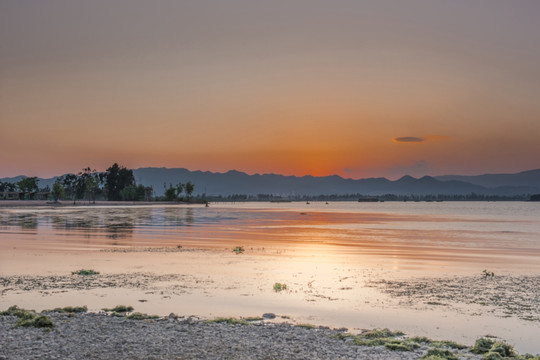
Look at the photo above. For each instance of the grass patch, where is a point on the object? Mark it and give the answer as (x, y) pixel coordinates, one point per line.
(16, 311)
(306, 326)
(439, 354)
(85, 272)
(41, 321)
(119, 309)
(238, 250)
(230, 321)
(399, 345)
(28, 318)
(421, 340)
(141, 316)
(381, 333)
(69, 309)
(482, 345)
(253, 318)
(342, 336)
(279, 286)
(449, 344)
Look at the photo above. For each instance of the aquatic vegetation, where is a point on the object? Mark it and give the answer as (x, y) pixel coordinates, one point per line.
(85, 272)
(69, 309)
(487, 274)
(238, 250)
(279, 286)
(120, 309)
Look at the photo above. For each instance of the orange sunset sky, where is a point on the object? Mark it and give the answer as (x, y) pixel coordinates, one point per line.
(354, 88)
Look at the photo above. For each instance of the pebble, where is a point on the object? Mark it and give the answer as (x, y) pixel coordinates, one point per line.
(99, 336)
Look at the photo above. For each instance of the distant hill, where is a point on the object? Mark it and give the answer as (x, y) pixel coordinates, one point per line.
(236, 182)
(529, 178)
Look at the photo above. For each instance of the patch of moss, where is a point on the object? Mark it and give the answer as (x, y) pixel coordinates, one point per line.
(120, 309)
(85, 272)
(433, 354)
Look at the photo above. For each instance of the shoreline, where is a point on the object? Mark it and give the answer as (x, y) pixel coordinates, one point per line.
(120, 336)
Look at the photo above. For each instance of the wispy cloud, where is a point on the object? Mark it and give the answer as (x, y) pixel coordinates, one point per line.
(415, 139)
(408, 139)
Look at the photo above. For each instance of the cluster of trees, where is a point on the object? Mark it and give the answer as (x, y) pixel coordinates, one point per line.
(384, 197)
(117, 183)
(25, 188)
(174, 192)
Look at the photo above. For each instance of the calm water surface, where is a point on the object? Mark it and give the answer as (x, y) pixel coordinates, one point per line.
(449, 236)
(327, 254)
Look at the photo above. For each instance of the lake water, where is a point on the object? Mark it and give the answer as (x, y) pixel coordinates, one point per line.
(328, 254)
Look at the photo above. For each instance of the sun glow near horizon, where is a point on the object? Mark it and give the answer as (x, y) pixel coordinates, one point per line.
(357, 89)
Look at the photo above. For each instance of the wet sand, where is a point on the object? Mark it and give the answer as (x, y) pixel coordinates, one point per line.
(329, 280)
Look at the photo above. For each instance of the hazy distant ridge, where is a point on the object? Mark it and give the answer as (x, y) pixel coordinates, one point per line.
(236, 182)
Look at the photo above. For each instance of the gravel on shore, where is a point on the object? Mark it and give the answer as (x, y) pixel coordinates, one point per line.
(102, 336)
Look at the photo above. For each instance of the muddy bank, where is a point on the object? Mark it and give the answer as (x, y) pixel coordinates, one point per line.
(500, 295)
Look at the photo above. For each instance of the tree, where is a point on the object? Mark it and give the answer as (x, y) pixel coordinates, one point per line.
(28, 186)
(189, 189)
(129, 193)
(92, 185)
(179, 189)
(117, 178)
(170, 193)
(69, 181)
(57, 191)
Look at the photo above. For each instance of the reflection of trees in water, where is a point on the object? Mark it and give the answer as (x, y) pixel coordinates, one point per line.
(27, 221)
(73, 222)
(24, 221)
(178, 216)
(189, 216)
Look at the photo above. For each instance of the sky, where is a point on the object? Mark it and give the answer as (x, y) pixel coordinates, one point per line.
(348, 87)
